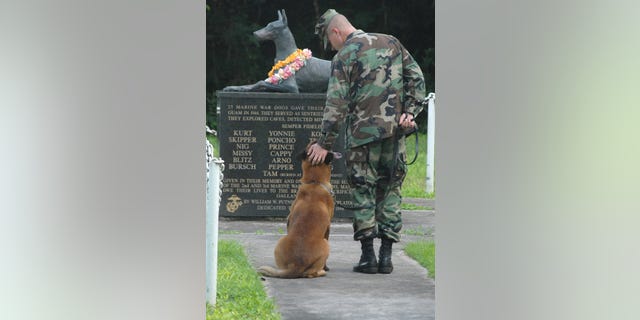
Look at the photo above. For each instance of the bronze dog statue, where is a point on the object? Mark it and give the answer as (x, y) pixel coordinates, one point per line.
(313, 77)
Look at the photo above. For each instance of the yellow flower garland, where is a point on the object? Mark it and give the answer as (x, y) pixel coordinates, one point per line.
(285, 62)
(288, 67)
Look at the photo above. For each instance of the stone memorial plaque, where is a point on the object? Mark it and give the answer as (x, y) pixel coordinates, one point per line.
(260, 136)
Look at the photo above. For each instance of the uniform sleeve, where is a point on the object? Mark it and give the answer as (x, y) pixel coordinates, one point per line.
(414, 85)
(337, 104)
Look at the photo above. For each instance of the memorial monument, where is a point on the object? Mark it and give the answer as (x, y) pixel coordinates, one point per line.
(262, 126)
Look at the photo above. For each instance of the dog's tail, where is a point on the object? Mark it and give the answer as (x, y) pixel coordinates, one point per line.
(291, 273)
(277, 273)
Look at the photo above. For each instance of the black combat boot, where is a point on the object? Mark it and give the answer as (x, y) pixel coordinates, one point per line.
(368, 263)
(385, 265)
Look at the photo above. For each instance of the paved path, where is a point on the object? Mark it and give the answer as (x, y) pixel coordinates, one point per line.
(406, 293)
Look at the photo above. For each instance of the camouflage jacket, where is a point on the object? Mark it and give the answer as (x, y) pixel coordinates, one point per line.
(374, 79)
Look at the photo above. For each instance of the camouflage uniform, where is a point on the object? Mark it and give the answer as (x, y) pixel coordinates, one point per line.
(374, 80)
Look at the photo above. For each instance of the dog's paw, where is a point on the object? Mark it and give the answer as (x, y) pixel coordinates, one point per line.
(319, 273)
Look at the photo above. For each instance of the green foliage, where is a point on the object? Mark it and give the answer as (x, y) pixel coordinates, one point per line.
(211, 111)
(214, 142)
(425, 253)
(240, 294)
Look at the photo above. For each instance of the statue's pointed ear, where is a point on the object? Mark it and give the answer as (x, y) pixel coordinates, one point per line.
(280, 15)
(328, 158)
(284, 17)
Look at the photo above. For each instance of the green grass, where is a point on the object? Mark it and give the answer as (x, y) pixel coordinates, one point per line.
(240, 293)
(414, 185)
(424, 252)
(420, 231)
(411, 206)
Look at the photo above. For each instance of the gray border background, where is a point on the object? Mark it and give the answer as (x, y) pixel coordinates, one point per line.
(536, 162)
(103, 186)
(102, 173)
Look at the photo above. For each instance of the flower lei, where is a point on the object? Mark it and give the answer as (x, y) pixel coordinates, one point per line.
(288, 67)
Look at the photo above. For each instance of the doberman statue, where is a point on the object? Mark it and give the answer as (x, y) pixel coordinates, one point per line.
(312, 77)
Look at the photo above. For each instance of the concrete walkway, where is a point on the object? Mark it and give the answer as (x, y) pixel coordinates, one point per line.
(406, 293)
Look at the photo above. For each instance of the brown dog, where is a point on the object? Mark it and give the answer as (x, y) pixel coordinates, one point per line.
(303, 252)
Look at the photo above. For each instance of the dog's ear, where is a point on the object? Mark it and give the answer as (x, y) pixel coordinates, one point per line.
(328, 158)
(302, 155)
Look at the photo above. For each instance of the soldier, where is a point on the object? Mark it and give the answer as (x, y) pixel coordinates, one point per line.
(376, 88)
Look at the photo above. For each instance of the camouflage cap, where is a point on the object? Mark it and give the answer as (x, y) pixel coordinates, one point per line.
(323, 22)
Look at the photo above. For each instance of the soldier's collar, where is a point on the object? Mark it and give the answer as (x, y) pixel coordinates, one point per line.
(353, 34)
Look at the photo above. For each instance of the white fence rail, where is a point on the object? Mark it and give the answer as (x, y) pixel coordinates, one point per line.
(431, 134)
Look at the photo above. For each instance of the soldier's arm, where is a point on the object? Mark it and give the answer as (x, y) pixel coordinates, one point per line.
(336, 106)
(414, 85)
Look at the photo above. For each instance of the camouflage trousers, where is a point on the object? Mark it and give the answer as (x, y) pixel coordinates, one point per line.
(376, 186)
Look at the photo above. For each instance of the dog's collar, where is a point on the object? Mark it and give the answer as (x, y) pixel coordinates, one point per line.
(324, 185)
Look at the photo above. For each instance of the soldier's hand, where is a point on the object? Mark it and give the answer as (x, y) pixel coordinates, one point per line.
(316, 154)
(407, 121)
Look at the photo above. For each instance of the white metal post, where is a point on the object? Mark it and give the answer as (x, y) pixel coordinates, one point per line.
(215, 167)
(431, 130)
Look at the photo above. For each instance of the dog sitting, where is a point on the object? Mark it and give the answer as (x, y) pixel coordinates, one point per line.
(303, 252)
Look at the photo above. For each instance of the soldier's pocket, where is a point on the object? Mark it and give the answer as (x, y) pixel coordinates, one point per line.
(357, 159)
(400, 171)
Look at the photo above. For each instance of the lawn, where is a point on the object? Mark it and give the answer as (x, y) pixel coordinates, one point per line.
(425, 253)
(240, 293)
